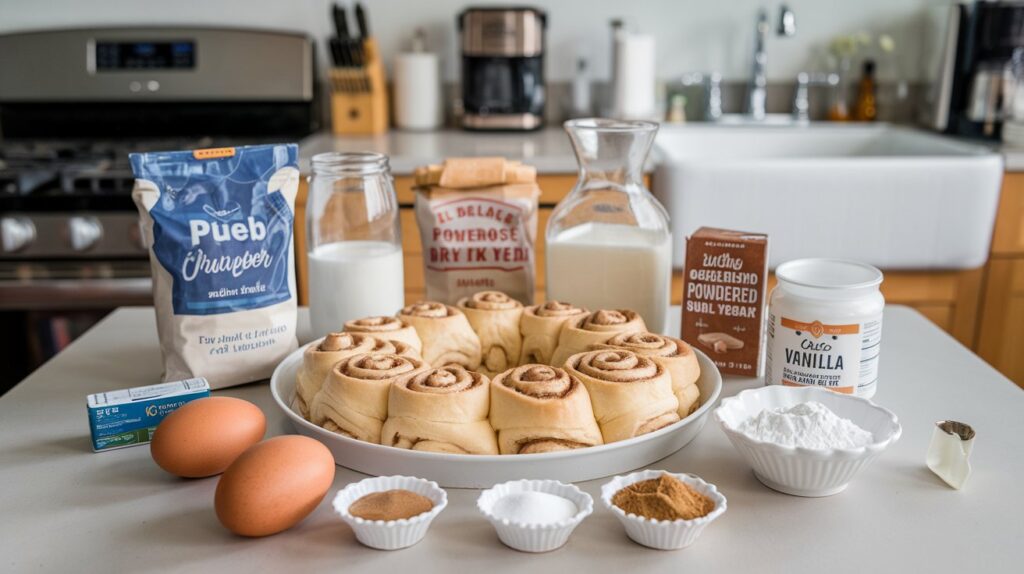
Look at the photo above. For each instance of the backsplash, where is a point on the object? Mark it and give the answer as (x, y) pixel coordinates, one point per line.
(691, 35)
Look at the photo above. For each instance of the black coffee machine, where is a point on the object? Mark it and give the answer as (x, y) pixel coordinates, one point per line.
(502, 68)
(976, 48)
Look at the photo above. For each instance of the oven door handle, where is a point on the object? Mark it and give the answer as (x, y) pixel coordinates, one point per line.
(58, 294)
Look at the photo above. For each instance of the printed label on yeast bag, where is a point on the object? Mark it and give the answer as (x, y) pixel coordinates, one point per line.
(218, 231)
(477, 243)
(839, 357)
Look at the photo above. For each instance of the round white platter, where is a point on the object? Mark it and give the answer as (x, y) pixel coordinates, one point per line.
(484, 471)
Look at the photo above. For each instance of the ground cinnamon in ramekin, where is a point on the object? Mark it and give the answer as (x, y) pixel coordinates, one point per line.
(390, 505)
(663, 498)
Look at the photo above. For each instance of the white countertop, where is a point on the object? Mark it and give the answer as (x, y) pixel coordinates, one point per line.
(67, 509)
(548, 149)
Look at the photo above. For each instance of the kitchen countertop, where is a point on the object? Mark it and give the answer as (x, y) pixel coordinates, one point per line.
(548, 149)
(69, 509)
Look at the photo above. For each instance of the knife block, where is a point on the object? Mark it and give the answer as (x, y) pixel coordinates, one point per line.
(359, 97)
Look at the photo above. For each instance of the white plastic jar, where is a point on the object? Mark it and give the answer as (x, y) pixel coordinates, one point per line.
(825, 326)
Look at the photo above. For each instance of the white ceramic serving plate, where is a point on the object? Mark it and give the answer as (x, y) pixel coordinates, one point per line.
(484, 471)
(803, 471)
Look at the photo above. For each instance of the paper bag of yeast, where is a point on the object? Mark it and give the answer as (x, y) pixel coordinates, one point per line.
(478, 224)
(723, 297)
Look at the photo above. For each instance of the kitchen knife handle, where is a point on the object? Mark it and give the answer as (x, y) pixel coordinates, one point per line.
(364, 28)
(340, 21)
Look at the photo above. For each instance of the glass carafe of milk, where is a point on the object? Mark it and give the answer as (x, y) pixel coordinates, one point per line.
(609, 245)
(355, 240)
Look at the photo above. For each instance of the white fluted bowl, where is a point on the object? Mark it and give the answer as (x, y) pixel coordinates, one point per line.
(390, 534)
(535, 537)
(663, 534)
(803, 471)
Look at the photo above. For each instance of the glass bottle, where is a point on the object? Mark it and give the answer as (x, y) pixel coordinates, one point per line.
(866, 109)
(355, 240)
(609, 245)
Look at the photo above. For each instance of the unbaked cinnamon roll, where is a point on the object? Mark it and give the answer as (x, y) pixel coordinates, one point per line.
(632, 394)
(495, 318)
(674, 354)
(540, 327)
(445, 332)
(539, 408)
(388, 328)
(354, 398)
(394, 347)
(579, 334)
(318, 359)
(440, 410)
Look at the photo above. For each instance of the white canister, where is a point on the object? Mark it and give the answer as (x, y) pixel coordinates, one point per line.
(417, 81)
(825, 326)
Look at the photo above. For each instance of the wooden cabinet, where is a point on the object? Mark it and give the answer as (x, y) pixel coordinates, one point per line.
(950, 299)
(1008, 236)
(1001, 341)
(1001, 333)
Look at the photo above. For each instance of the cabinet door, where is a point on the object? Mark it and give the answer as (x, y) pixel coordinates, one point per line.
(1008, 236)
(1001, 341)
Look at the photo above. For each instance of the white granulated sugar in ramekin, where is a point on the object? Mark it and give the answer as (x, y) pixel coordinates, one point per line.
(807, 425)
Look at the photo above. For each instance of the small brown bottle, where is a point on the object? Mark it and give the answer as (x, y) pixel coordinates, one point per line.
(866, 109)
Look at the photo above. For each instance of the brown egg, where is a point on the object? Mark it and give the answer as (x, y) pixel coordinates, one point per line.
(203, 437)
(273, 485)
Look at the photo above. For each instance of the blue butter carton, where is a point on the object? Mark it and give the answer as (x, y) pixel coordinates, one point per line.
(128, 417)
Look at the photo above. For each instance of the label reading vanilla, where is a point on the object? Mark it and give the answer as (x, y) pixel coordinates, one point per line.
(841, 357)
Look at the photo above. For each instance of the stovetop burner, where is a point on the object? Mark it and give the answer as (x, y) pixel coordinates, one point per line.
(77, 168)
(72, 175)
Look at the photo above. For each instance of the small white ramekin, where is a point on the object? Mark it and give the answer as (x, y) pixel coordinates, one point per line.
(803, 471)
(662, 534)
(535, 537)
(390, 534)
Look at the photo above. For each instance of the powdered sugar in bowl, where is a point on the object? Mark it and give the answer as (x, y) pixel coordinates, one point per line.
(819, 460)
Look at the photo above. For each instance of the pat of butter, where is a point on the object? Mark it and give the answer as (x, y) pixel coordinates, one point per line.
(128, 417)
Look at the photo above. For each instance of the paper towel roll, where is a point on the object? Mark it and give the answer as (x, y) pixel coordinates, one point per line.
(634, 94)
(417, 91)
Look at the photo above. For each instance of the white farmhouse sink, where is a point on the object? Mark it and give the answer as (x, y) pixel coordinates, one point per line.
(895, 197)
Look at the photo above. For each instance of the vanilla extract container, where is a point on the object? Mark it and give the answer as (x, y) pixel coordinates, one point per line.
(824, 326)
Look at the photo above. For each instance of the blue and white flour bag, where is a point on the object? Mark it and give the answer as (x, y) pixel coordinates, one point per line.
(218, 225)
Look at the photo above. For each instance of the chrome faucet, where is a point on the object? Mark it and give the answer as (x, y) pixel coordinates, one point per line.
(758, 89)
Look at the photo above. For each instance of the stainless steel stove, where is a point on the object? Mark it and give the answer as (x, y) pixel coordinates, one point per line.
(75, 103)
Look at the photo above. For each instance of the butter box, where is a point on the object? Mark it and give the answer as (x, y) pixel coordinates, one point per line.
(128, 417)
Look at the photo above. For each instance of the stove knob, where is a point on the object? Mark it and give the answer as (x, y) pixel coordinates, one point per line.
(84, 232)
(16, 233)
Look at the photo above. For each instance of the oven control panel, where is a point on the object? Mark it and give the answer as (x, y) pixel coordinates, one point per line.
(83, 235)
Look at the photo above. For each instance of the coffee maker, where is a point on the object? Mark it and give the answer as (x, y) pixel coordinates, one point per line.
(502, 68)
(977, 52)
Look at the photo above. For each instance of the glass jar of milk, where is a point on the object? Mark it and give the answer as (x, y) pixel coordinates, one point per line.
(609, 245)
(355, 240)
